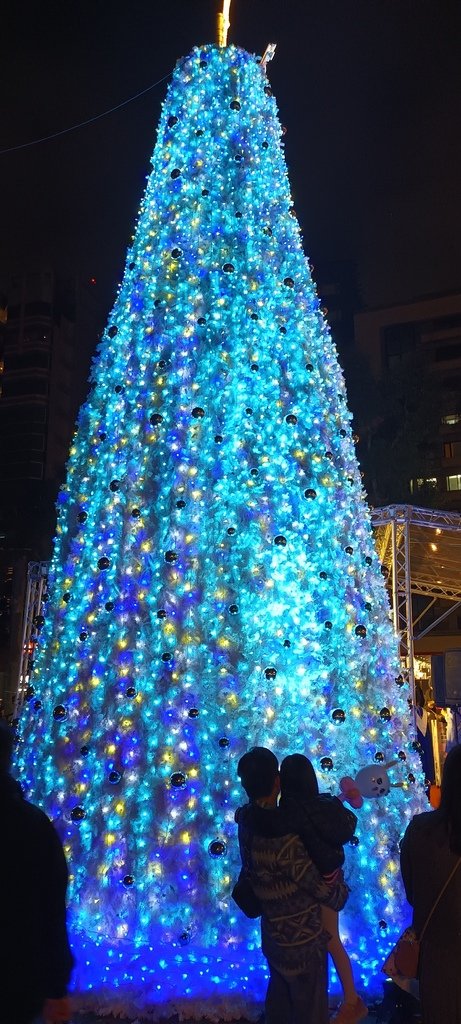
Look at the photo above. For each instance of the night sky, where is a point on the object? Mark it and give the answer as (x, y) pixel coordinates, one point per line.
(369, 90)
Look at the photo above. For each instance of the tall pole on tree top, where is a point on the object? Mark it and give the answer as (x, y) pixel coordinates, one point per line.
(223, 23)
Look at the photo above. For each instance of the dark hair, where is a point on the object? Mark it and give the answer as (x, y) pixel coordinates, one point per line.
(258, 770)
(298, 778)
(450, 801)
(6, 746)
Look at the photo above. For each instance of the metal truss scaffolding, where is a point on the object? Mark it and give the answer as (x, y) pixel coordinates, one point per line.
(420, 552)
(37, 578)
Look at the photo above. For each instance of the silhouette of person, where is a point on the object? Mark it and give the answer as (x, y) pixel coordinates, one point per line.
(324, 825)
(290, 890)
(36, 961)
(430, 856)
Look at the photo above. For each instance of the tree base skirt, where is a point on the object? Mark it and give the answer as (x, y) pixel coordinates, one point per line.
(133, 1006)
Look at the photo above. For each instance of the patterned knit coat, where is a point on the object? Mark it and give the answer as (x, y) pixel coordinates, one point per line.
(290, 890)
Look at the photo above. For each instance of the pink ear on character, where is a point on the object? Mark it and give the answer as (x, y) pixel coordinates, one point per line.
(349, 792)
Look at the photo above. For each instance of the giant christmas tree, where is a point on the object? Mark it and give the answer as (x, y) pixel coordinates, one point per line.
(214, 583)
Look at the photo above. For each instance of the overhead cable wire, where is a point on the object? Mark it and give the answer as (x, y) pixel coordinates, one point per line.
(83, 124)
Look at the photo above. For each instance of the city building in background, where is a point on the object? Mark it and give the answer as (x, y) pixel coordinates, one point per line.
(338, 291)
(416, 348)
(36, 409)
(411, 402)
(47, 330)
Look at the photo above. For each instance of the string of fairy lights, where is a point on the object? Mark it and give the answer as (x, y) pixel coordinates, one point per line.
(214, 582)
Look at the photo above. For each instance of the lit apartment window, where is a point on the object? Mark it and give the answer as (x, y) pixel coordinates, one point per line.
(454, 482)
(423, 483)
(452, 419)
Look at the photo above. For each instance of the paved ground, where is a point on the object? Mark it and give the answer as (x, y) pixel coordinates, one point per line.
(90, 1019)
(174, 1020)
